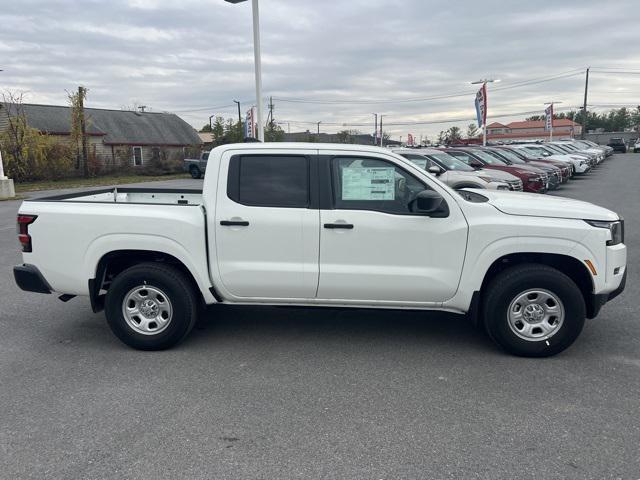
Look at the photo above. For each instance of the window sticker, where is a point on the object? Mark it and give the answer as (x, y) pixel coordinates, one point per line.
(363, 183)
(419, 163)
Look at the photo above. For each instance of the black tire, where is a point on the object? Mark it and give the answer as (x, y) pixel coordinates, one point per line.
(508, 285)
(195, 172)
(175, 286)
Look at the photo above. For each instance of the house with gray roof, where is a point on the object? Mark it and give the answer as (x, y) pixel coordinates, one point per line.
(115, 138)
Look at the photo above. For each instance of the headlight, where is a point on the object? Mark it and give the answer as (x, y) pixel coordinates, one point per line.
(616, 228)
(533, 179)
(490, 179)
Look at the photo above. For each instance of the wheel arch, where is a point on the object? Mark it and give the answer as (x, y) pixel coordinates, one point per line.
(570, 266)
(116, 261)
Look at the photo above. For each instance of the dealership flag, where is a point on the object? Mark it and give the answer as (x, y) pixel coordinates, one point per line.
(481, 105)
(250, 123)
(548, 118)
(410, 139)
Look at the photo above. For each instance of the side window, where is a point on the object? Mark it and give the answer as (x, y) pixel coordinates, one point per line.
(370, 184)
(269, 180)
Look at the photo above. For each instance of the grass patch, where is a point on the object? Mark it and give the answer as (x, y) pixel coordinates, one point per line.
(92, 182)
(11, 199)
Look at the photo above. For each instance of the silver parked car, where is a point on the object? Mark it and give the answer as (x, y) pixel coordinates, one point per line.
(457, 174)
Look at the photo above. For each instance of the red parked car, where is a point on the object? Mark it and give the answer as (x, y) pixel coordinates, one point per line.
(533, 179)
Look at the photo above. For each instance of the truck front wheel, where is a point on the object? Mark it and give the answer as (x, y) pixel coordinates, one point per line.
(533, 310)
(151, 306)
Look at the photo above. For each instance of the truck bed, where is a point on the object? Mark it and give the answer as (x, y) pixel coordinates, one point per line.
(133, 195)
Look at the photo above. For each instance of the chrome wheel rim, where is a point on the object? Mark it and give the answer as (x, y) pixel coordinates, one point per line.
(147, 310)
(536, 314)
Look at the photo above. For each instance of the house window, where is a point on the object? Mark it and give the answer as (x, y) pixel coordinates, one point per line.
(137, 156)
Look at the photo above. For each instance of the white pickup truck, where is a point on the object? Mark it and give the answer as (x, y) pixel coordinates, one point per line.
(326, 225)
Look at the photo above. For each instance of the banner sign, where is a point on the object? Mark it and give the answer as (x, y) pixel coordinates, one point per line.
(250, 123)
(548, 118)
(481, 105)
(410, 140)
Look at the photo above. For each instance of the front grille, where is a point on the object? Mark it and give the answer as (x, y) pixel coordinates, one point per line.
(515, 185)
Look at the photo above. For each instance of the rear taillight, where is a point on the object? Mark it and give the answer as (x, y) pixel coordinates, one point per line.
(23, 231)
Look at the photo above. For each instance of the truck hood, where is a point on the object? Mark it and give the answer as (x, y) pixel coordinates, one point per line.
(536, 205)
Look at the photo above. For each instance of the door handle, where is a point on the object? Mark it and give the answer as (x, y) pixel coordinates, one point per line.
(234, 223)
(347, 226)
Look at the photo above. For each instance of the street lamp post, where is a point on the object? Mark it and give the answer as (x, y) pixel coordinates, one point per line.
(484, 82)
(257, 64)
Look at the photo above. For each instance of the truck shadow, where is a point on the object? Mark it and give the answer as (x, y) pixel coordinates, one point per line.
(267, 323)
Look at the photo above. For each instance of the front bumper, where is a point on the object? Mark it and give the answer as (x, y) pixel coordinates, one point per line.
(29, 279)
(600, 299)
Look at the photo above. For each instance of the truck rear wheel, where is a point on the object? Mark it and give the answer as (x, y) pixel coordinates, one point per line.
(533, 310)
(195, 172)
(151, 306)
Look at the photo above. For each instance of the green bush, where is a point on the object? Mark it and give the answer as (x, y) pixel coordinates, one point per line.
(29, 155)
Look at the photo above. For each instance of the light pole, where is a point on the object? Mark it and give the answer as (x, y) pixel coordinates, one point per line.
(318, 124)
(484, 82)
(210, 125)
(551, 104)
(257, 63)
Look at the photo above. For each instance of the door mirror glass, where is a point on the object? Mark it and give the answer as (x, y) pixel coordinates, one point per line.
(434, 170)
(429, 203)
(475, 163)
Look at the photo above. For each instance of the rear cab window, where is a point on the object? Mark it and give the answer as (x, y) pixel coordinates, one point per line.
(269, 180)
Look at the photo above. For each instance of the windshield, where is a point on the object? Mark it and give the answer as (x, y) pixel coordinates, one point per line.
(512, 157)
(583, 144)
(450, 163)
(522, 153)
(540, 151)
(557, 149)
(488, 158)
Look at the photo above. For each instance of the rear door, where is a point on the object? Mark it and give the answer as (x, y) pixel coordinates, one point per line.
(267, 224)
(372, 247)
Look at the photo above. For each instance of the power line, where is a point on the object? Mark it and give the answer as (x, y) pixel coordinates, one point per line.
(459, 93)
(425, 122)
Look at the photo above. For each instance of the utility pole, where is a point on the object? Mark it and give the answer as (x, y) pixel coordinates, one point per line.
(83, 129)
(239, 115)
(210, 124)
(375, 128)
(142, 108)
(381, 135)
(319, 129)
(584, 107)
(271, 113)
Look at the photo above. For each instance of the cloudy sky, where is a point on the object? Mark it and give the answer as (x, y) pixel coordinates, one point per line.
(333, 61)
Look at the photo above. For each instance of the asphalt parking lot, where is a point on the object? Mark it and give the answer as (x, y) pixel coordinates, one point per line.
(313, 393)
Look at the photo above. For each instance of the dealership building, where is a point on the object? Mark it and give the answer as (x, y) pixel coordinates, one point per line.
(563, 128)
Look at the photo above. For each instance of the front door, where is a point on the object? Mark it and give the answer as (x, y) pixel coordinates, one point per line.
(373, 248)
(266, 225)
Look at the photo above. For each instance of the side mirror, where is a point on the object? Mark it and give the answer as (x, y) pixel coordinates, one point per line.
(430, 203)
(434, 170)
(476, 163)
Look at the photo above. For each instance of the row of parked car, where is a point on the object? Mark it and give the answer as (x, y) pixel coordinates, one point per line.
(528, 167)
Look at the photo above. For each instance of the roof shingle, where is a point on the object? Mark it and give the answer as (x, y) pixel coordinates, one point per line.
(117, 126)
